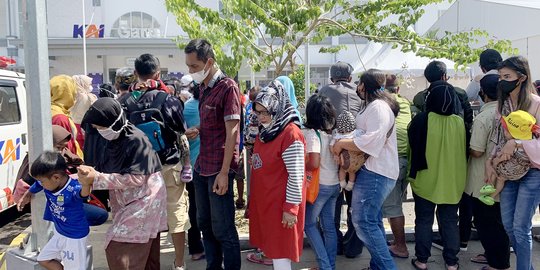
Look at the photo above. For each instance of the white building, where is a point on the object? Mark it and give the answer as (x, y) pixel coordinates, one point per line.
(120, 30)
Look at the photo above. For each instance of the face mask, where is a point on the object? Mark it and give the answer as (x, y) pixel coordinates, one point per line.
(200, 75)
(507, 86)
(110, 134)
(266, 125)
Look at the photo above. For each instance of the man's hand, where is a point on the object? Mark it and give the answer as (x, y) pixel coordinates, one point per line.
(192, 133)
(221, 184)
(25, 199)
(288, 220)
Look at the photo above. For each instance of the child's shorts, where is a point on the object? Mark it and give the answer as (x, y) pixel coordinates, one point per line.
(71, 252)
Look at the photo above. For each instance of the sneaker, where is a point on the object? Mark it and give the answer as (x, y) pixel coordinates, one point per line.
(438, 244)
(349, 186)
(463, 246)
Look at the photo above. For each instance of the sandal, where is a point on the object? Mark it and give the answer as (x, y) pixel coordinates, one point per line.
(480, 258)
(197, 257)
(413, 262)
(487, 190)
(187, 174)
(258, 257)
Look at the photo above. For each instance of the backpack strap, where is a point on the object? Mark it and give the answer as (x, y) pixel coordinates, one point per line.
(159, 100)
(131, 104)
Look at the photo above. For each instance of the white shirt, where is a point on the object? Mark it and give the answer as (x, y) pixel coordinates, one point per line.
(474, 86)
(328, 174)
(376, 120)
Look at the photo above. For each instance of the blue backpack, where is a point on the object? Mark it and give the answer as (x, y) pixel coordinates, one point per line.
(148, 118)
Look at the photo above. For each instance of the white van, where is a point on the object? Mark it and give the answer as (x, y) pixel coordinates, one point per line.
(13, 132)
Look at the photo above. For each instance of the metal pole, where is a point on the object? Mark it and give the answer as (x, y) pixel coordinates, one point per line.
(84, 36)
(36, 61)
(306, 72)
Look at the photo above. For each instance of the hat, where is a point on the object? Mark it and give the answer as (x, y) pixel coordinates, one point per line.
(489, 85)
(186, 80)
(520, 124)
(340, 70)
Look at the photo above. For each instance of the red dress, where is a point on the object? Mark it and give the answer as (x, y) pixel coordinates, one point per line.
(267, 199)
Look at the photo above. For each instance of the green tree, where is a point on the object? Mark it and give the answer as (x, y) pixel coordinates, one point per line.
(268, 33)
(298, 77)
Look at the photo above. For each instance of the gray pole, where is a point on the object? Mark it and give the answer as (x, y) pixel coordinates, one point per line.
(36, 64)
(306, 72)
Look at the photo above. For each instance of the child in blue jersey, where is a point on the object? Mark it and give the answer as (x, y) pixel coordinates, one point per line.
(65, 196)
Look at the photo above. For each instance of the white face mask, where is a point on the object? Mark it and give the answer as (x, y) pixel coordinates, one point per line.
(108, 133)
(200, 75)
(266, 125)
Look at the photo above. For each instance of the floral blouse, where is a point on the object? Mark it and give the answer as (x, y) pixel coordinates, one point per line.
(138, 206)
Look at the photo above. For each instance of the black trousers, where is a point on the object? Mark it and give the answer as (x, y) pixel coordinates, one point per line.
(349, 244)
(448, 228)
(492, 234)
(465, 217)
(195, 244)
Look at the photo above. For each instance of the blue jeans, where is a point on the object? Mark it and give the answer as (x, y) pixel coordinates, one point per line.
(95, 215)
(324, 209)
(215, 217)
(369, 193)
(519, 200)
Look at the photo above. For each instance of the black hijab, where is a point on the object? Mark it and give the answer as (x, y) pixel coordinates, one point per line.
(131, 153)
(441, 99)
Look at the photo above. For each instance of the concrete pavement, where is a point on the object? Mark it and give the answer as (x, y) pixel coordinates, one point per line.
(97, 236)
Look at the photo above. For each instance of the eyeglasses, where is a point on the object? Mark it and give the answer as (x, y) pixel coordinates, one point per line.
(263, 113)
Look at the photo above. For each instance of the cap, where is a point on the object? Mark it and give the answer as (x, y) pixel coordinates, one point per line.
(186, 80)
(520, 124)
(341, 70)
(489, 85)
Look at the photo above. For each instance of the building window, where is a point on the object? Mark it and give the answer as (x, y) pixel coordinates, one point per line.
(96, 3)
(136, 25)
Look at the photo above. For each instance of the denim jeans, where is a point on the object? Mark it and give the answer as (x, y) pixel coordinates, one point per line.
(447, 216)
(215, 217)
(369, 193)
(95, 215)
(323, 209)
(519, 200)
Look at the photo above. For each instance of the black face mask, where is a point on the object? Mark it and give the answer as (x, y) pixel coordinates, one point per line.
(507, 86)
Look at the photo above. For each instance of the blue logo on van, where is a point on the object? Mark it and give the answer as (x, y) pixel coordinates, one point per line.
(10, 150)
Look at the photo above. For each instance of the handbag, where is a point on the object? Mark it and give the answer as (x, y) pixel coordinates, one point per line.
(313, 180)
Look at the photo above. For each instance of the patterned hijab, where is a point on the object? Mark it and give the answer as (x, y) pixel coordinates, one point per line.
(276, 101)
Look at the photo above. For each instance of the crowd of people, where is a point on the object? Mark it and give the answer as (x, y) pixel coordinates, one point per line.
(167, 152)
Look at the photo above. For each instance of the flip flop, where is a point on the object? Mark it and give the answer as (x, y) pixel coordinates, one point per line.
(397, 255)
(187, 174)
(413, 262)
(480, 258)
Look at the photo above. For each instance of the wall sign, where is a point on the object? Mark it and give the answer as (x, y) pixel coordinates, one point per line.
(92, 31)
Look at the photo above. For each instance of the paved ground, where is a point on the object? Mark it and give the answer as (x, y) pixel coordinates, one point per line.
(308, 258)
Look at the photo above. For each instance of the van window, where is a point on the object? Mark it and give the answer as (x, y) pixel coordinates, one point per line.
(9, 106)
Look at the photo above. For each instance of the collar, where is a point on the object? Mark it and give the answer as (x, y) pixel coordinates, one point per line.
(493, 71)
(64, 187)
(217, 76)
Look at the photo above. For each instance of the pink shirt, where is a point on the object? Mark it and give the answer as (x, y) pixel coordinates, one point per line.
(532, 147)
(138, 205)
(377, 119)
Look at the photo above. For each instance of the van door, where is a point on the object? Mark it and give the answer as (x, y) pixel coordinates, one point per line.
(13, 135)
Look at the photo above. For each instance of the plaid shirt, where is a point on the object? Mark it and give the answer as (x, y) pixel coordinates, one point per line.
(219, 102)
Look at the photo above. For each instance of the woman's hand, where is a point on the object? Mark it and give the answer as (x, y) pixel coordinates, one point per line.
(508, 150)
(25, 199)
(192, 133)
(86, 175)
(288, 220)
(336, 150)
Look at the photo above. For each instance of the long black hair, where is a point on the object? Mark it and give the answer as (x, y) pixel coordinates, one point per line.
(374, 82)
(320, 113)
(520, 65)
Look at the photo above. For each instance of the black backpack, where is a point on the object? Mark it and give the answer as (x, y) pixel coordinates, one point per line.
(148, 118)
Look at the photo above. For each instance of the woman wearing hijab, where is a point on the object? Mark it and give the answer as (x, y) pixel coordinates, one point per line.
(83, 101)
(277, 195)
(130, 169)
(439, 169)
(63, 93)
(376, 179)
(289, 89)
